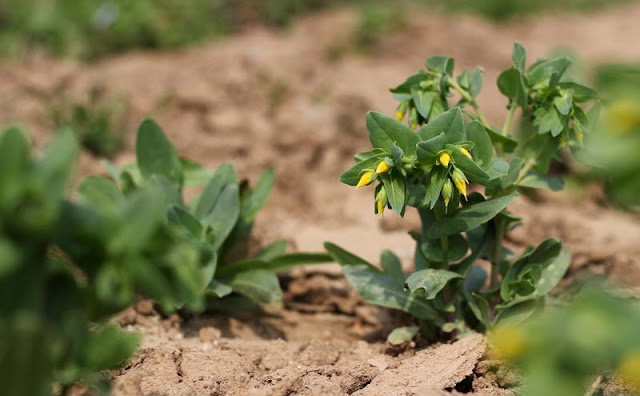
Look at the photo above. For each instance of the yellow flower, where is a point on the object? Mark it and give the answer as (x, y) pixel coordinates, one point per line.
(399, 115)
(383, 167)
(507, 341)
(414, 124)
(624, 116)
(460, 181)
(444, 159)
(465, 152)
(380, 207)
(365, 179)
(447, 190)
(629, 369)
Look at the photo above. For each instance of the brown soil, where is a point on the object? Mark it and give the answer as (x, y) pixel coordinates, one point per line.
(283, 100)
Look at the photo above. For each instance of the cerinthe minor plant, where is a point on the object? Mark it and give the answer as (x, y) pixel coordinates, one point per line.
(430, 164)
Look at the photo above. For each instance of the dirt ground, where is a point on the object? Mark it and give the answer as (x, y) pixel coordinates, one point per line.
(284, 100)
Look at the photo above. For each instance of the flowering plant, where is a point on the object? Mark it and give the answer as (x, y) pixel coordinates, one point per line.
(430, 164)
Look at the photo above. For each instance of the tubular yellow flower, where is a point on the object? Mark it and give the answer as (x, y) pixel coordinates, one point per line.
(380, 207)
(444, 159)
(465, 152)
(507, 341)
(365, 179)
(629, 369)
(460, 181)
(383, 167)
(399, 115)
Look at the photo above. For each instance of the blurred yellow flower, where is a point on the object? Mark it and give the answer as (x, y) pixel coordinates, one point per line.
(365, 179)
(629, 369)
(624, 116)
(507, 342)
(399, 115)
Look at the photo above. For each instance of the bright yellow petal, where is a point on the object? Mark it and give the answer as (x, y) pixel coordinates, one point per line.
(400, 115)
(444, 159)
(461, 184)
(365, 179)
(465, 152)
(380, 207)
(383, 167)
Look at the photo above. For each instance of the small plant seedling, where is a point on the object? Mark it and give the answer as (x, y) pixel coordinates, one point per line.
(430, 164)
(220, 218)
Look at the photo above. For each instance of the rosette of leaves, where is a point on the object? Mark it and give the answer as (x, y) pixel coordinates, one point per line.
(219, 219)
(552, 101)
(423, 96)
(67, 266)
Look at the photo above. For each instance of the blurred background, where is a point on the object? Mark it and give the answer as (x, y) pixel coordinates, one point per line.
(286, 84)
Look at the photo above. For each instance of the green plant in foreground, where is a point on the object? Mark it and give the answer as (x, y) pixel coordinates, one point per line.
(429, 167)
(569, 348)
(220, 218)
(67, 266)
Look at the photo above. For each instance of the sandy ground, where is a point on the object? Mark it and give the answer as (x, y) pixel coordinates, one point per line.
(282, 100)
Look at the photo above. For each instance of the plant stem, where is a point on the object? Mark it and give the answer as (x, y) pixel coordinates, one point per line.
(497, 253)
(465, 95)
(507, 122)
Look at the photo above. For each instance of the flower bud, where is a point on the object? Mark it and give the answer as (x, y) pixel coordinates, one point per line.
(447, 191)
(460, 180)
(465, 152)
(402, 109)
(365, 179)
(413, 118)
(444, 159)
(383, 167)
(381, 201)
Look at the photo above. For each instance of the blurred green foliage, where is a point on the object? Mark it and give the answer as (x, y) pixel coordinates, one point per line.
(91, 29)
(563, 350)
(99, 122)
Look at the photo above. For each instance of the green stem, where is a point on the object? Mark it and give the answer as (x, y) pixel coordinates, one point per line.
(507, 122)
(497, 253)
(466, 96)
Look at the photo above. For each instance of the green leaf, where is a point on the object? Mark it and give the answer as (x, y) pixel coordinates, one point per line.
(274, 264)
(108, 347)
(56, 163)
(432, 281)
(512, 85)
(402, 335)
(519, 56)
(508, 144)
(222, 219)
(343, 257)
(183, 218)
(218, 289)
(497, 169)
(470, 217)
(423, 101)
(564, 102)
(224, 176)
(472, 171)
(391, 265)
(541, 71)
(457, 249)
(272, 250)
(581, 93)
(475, 83)
(553, 183)
(438, 177)
(441, 64)
(14, 157)
(518, 313)
(395, 187)
(482, 147)
(387, 291)
(384, 131)
(352, 175)
(142, 211)
(548, 120)
(260, 285)
(405, 87)
(156, 155)
(257, 198)
(428, 150)
(473, 283)
(100, 192)
(450, 122)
